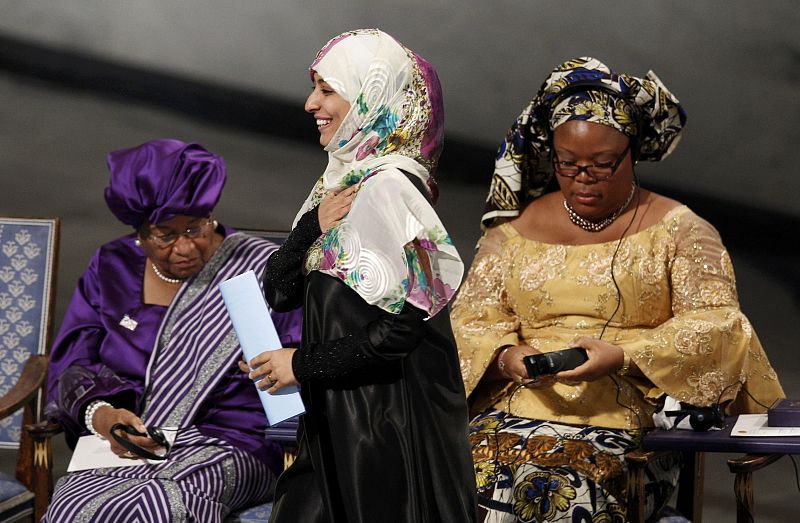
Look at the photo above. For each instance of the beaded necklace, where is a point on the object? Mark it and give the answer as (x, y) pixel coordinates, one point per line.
(591, 226)
(164, 277)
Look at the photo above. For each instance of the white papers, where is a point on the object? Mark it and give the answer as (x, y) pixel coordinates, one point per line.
(92, 452)
(756, 425)
(256, 332)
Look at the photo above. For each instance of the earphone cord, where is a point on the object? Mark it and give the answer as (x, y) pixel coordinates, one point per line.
(796, 479)
(619, 304)
(739, 500)
(616, 309)
(614, 257)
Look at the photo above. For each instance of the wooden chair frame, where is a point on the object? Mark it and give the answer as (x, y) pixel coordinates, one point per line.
(758, 453)
(690, 484)
(35, 456)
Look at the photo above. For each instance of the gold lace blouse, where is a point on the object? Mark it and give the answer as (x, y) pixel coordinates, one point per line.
(679, 321)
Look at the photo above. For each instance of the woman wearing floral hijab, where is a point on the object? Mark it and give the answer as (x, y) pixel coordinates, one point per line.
(638, 280)
(384, 436)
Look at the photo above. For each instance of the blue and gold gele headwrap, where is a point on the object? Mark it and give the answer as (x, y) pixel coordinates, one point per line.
(585, 89)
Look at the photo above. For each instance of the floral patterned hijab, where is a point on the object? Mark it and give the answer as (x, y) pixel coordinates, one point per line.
(394, 130)
(585, 89)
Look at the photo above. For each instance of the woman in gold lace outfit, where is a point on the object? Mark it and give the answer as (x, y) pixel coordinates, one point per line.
(637, 279)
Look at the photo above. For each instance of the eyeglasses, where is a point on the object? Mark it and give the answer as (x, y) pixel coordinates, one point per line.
(165, 240)
(597, 171)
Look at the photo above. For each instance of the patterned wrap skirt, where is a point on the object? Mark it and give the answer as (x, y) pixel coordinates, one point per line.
(202, 481)
(531, 470)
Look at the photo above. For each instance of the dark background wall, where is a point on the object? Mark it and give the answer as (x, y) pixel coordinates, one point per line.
(734, 64)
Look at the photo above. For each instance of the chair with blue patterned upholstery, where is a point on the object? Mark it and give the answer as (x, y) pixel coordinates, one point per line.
(286, 434)
(28, 261)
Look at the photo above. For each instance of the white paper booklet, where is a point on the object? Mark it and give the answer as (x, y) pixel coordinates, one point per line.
(756, 425)
(92, 452)
(253, 325)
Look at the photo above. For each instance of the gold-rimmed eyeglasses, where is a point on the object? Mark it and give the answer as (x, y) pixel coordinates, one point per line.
(599, 172)
(166, 240)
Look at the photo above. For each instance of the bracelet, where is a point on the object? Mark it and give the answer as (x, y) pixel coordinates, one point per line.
(89, 415)
(626, 364)
(500, 363)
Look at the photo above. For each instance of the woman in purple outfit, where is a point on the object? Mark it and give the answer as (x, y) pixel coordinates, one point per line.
(146, 342)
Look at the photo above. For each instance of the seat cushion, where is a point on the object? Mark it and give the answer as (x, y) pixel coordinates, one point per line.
(257, 514)
(15, 500)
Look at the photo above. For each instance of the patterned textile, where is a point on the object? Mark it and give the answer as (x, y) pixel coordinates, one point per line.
(522, 166)
(679, 321)
(202, 481)
(596, 107)
(394, 126)
(530, 470)
(198, 329)
(16, 502)
(27, 252)
(257, 514)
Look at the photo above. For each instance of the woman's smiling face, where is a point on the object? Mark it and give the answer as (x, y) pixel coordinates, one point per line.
(328, 107)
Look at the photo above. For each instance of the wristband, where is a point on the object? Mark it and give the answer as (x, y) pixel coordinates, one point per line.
(89, 415)
(500, 363)
(626, 364)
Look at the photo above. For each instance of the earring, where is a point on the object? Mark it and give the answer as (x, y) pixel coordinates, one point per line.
(137, 242)
(215, 223)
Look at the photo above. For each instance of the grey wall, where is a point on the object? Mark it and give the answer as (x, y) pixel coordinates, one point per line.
(734, 64)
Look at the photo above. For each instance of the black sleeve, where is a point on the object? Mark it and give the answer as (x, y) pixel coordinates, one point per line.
(283, 276)
(388, 338)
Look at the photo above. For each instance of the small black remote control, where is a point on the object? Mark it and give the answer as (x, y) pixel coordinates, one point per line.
(553, 362)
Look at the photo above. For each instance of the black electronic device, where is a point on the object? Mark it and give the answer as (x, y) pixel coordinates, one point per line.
(553, 362)
(784, 412)
(701, 419)
(153, 433)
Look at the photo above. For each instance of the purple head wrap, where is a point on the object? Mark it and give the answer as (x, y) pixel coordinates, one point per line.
(161, 179)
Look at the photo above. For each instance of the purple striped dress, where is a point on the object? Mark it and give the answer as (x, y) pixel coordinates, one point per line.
(220, 461)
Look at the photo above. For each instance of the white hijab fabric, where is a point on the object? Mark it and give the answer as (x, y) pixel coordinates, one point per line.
(394, 128)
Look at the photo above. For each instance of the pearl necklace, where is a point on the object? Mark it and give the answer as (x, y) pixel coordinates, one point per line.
(163, 277)
(591, 226)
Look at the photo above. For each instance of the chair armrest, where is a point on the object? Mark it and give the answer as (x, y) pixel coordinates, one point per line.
(752, 462)
(29, 383)
(43, 430)
(690, 484)
(641, 457)
(637, 461)
(284, 432)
